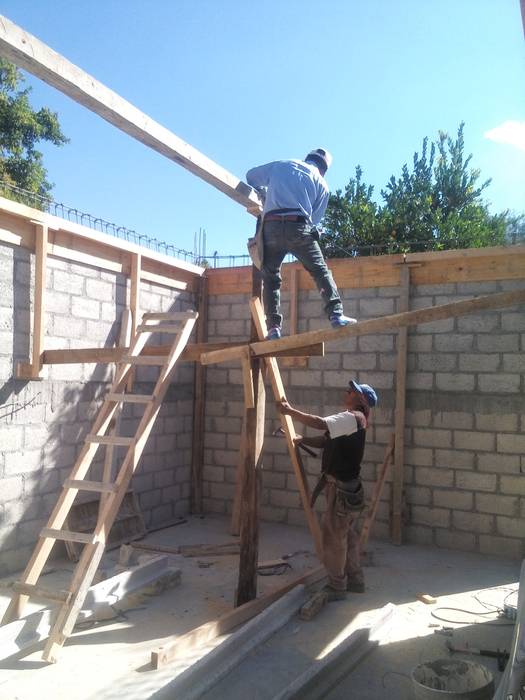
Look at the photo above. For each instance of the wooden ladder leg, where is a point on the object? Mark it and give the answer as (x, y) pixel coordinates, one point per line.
(289, 430)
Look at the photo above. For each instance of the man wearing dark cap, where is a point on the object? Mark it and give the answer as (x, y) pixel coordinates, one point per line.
(295, 197)
(343, 444)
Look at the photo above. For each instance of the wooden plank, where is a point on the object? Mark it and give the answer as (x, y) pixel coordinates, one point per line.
(185, 644)
(170, 315)
(134, 291)
(42, 593)
(376, 496)
(84, 485)
(192, 352)
(153, 360)
(440, 267)
(129, 398)
(289, 431)
(199, 402)
(253, 426)
(68, 535)
(41, 248)
(164, 281)
(68, 239)
(247, 379)
(400, 409)
(110, 440)
(32, 55)
(294, 318)
(375, 325)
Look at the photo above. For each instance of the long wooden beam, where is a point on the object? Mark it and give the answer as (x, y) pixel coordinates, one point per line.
(192, 352)
(33, 55)
(376, 325)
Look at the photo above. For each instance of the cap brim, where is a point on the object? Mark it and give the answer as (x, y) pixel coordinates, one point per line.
(355, 386)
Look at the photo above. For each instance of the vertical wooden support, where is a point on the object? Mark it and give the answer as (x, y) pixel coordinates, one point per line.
(199, 402)
(294, 318)
(252, 442)
(31, 370)
(376, 495)
(134, 294)
(401, 373)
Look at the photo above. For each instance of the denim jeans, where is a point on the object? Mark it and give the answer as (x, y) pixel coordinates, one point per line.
(281, 238)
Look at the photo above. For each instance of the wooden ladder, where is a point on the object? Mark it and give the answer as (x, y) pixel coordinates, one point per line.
(112, 492)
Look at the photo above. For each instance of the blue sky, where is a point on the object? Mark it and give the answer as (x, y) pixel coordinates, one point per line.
(248, 82)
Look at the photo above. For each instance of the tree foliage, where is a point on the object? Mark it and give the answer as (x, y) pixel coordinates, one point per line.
(434, 204)
(21, 129)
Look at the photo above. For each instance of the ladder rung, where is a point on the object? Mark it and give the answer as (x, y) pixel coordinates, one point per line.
(110, 440)
(97, 486)
(170, 316)
(37, 592)
(68, 536)
(130, 398)
(158, 328)
(145, 359)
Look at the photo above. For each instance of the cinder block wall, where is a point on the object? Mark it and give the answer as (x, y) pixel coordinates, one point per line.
(464, 459)
(43, 423)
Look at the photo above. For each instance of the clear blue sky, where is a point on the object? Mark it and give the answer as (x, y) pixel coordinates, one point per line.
(248, 82)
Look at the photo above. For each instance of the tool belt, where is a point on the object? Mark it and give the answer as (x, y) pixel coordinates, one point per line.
(350, 495)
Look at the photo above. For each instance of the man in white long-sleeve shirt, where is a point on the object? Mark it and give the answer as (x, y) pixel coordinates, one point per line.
(296, 196)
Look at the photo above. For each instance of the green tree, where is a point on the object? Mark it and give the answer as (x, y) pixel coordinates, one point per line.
(435, 204)
(21, 129)
(351, 219)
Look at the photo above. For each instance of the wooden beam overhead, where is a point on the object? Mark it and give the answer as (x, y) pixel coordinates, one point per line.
(28, 52)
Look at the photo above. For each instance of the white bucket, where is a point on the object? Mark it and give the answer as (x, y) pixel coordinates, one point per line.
(452, 679)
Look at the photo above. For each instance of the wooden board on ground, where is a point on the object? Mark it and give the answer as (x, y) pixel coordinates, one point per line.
(128, 525)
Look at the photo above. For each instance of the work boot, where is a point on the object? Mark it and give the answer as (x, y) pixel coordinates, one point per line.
(274, 333)
(340, 320)
(333, 593)
(355, 584)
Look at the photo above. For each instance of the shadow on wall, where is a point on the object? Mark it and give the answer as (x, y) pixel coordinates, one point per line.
(43, 423)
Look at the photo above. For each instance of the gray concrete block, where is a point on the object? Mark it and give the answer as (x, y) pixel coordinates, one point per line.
(502, 342)
(498, 505)
(100, 290)
(428, 476)
(500, 422)
(501, 546)
(478, 323)
(499, 463)
(67, 282)
(432, 362)
(11, 437)
(465, 542)
(473, 522)
(432, 437)
(419, 343)
(376, 343)
(512, 321)
(474, 440)
(474, 481)
(514, 363)
(481, 362)
(376, 307)
(432, 517)
(85, 308)
(455, 459)
(454, 342)
(453, 499)
(419, 495)
(420, 381)
(456, 382)
(11, 488)
(500, 383)
(23, 462)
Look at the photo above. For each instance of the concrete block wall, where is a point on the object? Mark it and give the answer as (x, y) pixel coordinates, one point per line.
(43, 423)
(464, 460)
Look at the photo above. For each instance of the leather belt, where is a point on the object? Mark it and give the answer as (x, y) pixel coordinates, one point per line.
(285, 217)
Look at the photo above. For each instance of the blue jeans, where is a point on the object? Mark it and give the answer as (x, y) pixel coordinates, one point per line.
(281, 238)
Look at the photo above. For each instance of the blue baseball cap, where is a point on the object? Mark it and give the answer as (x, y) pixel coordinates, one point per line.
(366, 390)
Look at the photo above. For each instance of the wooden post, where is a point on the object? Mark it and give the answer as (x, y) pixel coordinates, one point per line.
(199, 402)
(134, 292)
(401, 373)
(31, 370)
(376, 496)
(253, 439)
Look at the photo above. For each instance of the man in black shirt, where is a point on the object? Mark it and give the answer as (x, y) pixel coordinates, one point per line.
(343, 444)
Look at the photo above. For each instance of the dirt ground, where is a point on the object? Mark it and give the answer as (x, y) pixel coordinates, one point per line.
(112, 659)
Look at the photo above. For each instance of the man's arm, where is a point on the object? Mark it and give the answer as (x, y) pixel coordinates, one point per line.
(313, 441)
(307, 419)
(319, 207)
(259, 176)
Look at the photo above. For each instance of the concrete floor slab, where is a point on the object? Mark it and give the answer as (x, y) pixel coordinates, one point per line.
(111, 659)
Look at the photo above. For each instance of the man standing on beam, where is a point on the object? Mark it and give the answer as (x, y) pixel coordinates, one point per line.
(295, 197)
(343, 444)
